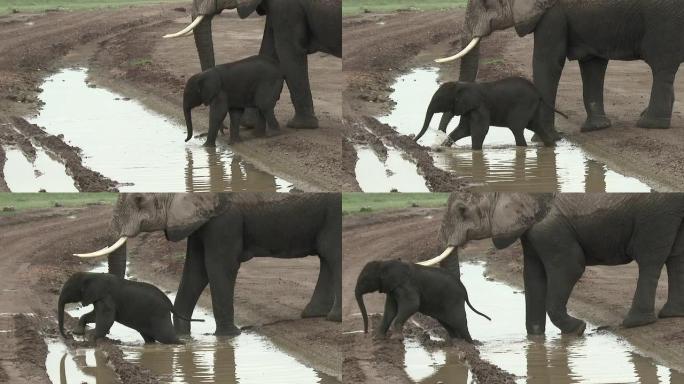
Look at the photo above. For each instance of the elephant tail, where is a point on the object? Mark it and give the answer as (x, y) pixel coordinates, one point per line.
(470, 305)
(184, 318)
(548, 105)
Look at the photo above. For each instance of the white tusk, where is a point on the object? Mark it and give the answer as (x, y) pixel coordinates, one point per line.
(189, 34)
(187, 29)
(437, 259)
(104, 251)
(464, 52)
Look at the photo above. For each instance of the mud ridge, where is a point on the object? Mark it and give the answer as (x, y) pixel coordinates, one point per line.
(86, 180)
(437, 179)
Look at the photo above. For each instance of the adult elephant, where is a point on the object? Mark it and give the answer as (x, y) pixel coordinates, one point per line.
(562, 234)
(294, 29)
(591, 32)
(224, 230)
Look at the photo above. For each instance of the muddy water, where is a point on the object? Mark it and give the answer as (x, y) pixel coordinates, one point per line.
(32, 175)
(600, 357)
(501, 166)
(395, 172)
(433, 366)
(142, 150)
(205, 358)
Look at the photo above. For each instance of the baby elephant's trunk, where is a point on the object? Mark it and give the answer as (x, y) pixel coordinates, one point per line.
(187, 110)
(362, 307)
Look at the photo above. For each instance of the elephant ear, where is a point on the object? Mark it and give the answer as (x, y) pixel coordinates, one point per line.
(247, 7)
(468, 98)
(209, 85)
(526, 14)
(94, 288)
(189, 211)
(392, 275)
(514, 214)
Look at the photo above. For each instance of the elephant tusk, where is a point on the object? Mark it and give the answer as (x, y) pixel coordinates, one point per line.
(464, 52)
(104, 251)
(187, 29)
(437, 259)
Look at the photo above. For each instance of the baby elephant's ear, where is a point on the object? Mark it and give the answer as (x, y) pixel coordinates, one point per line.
(392, 275)
(94, 289)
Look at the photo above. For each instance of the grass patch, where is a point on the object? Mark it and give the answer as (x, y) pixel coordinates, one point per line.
(140, 62)
(25, 201)
(353, 7)
(355, 203)
(493, 61)
(8, 6)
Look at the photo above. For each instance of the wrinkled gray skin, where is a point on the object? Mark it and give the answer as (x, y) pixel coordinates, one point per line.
(512, 102)
(294, 29)
(137, 305)
(225, 229)
(411, 288)
(562, 234)
(231, 88)
(591, 32)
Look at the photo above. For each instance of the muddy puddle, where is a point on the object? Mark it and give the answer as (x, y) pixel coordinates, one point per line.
(205, 358)
(24, 174)
(142, 150)
(434, 366)
(500, 166)
(597, 357)
(396, 172)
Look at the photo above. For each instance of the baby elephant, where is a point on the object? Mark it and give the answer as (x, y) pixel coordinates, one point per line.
(137, 305)
(414, 288)
(254, 82)
(513, 102)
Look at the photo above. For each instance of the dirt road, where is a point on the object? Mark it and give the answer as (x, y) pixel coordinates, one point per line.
(125, 52)
(379, 47)
(36, 259)
(602, 296)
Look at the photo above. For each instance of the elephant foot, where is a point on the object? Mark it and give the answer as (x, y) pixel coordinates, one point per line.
(397, 335)
(182, 327)
(234, 140)
(303, 122)
(227, 330)
(638, 319)
(671, 310)
(536, 329)
(313, 310)
(334, 315)
(595, 123)
(249, 119)
(447, 143)
(650, 122)
(574, 327)
(78, 330)
(209, 144)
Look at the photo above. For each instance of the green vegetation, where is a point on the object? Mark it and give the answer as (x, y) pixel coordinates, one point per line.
(7, 6)
(352, 7)
(353, 203)
(493, 61)
(24, 201)
(140, 62)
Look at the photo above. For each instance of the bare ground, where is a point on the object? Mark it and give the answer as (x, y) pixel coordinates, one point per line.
(380, 47)
(125, 51)
(37, 258)
(602, 296)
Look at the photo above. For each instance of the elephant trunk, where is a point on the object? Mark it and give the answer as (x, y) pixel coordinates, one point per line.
(362, 308)
(204, 43)
(187, 111)
(469, 65)
(116, 262)
(428, 118)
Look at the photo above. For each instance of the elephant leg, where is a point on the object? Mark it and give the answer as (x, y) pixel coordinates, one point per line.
(249, 118)
(86, 319)
(659, 111)
(164, 333)
(642, 311)
(192, 284)
(463, 130)
(446, 119)
(260, 128)
(563, 270)
(289, 37)
(235, 118)
(217, 112)
(148, 339)
(104, 317)
(519, 135)
(674, 307)
(593, 74)
(408, 303)
(459, 323)
(323, 295)
(388, 316)
(271, 120)
(479, 127)
(548, 61)
(535, 290)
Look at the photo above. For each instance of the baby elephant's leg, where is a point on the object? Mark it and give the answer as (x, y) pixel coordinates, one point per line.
(164, 332)
(260, 128)
(388, 316)
(459, 322)
(86, 319)
(235, 117)
(104, 317)
(408, 303)
(271, 119)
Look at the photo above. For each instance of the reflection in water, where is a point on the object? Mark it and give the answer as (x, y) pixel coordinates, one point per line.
(501, 166)
(81, 366)
(31, 175)
(596, 357)
(205, 358)
(395, 172)
(434, 366)
(141, 149)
